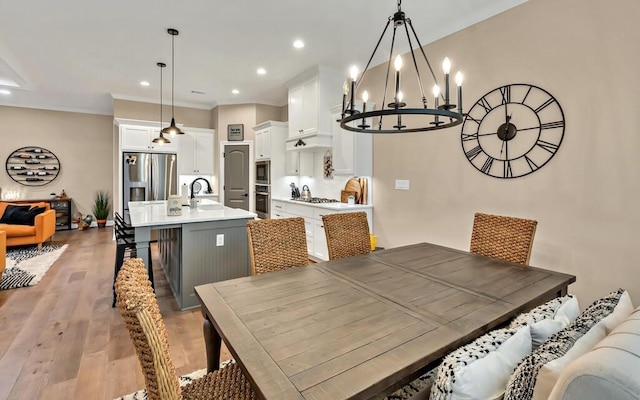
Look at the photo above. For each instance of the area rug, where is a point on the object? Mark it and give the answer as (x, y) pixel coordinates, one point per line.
(27, 265)
(406, 392)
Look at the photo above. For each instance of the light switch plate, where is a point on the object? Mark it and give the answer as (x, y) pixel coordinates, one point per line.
(402, 184)
(220, 239)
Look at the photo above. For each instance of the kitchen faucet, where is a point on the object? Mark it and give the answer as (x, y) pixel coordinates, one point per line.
(194, 181)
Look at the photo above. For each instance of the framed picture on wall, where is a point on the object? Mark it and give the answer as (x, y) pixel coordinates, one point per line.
(235, 132)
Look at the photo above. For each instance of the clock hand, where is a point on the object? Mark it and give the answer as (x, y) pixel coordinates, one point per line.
(528, 129)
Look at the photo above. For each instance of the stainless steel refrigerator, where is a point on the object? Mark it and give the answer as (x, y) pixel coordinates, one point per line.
(148, 177)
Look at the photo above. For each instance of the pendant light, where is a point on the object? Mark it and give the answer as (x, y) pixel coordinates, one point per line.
(172, 129)
(160, 140)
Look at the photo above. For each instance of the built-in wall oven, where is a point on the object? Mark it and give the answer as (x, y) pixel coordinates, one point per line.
(263, 173)
(263, 201)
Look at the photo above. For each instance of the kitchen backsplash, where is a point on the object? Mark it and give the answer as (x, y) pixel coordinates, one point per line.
(323, 187)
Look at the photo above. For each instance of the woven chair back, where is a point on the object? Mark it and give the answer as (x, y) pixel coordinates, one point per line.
(347, 234)
(277, 244)
(139, 309)
(506, 238)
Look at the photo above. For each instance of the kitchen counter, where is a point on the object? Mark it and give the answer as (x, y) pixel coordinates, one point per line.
(330, 206)
(154, 213)
(203, 245)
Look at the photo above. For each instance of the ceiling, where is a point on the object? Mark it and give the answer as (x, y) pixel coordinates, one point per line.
(77, 55)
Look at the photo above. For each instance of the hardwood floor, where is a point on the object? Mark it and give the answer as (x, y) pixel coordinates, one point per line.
(60, 339)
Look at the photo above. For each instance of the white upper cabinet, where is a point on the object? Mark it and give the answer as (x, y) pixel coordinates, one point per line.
(352, 152)
(140, 138)
(263, 144)
(196, 152)
(310, 96)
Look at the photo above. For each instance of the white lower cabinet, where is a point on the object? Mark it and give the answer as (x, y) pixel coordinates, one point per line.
(314, 229)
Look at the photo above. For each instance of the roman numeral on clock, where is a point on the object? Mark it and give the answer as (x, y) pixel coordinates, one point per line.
(487, 164)
(551, 125)
(469, 136)
(505, 91)
(473, 153)
(550, 147)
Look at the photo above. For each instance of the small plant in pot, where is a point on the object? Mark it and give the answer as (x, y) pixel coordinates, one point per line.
(101, 207)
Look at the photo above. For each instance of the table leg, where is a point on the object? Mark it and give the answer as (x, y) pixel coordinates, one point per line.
(213, 343)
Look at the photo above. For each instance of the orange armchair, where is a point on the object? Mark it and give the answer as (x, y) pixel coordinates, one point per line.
(43, 228)
(3, 251)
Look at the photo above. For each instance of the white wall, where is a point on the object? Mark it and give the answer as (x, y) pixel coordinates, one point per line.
(586, 198)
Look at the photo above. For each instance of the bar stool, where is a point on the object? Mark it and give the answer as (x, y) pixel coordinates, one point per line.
(125, 246)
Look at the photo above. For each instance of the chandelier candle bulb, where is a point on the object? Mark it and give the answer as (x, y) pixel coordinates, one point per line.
(365, 98)
(345, 90)
(398, 65)
(446, 68)
(354, 76)
(436, 94)
(459, 79)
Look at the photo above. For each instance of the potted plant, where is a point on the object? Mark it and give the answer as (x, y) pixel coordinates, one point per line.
(101, 207)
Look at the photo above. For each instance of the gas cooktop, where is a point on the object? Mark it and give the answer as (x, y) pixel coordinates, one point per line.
(317, 200)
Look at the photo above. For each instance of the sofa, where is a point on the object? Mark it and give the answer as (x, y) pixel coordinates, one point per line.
(553, 352)
(21, 232)
(611, 370)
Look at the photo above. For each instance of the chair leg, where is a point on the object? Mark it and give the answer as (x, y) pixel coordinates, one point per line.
(150, 271)
(119, 260)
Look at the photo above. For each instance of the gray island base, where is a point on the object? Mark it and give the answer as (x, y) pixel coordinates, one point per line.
(203, 245)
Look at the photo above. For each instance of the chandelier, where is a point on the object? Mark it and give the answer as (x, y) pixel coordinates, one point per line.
(423, 118)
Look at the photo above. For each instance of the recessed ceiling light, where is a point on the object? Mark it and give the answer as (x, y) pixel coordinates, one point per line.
(298, 44)
(235, 91)
(144, 83)
(261, 71)
(5, 91)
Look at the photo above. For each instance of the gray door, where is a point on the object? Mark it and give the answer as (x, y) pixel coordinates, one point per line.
(236, 176)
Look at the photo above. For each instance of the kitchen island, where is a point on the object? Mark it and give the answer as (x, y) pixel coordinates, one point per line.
(203, 245)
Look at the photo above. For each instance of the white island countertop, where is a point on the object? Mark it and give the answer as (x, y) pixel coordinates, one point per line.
(154, 213)
(329, 206)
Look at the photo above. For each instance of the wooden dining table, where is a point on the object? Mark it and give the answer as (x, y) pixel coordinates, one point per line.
(361, 327)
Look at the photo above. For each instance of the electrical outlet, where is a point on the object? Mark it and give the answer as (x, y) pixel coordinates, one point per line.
(402, 184)
(220, 239)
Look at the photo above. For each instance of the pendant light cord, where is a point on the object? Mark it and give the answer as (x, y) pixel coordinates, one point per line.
(173, 69)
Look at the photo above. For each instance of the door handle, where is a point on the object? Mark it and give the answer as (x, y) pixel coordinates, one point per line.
(246, 195)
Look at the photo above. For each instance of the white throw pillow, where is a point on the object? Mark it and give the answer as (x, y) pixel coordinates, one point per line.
(549, 318)
(481, 369)
(538, 372)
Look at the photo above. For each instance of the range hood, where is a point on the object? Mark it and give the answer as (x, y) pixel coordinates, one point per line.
(311, 143)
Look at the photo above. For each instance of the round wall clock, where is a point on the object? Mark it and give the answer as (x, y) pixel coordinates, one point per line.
(32, 166)
(513, 130)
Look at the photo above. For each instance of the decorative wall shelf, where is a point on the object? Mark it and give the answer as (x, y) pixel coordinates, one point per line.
(32, 166)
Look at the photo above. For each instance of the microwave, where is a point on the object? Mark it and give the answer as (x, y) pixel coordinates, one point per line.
(263, 173)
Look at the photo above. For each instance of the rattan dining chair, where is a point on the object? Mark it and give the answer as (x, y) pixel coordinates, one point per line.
(277, 244)
(506, 238)
(347, 234)
(139, 309)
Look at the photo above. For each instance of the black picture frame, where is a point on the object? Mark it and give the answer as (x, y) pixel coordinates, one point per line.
(235, 132)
